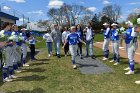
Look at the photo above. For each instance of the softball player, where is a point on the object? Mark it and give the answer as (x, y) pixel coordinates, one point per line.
(24, 46)
(115, 44)
(131, 46)
(8, 66)
(107, 35)
(73, 40)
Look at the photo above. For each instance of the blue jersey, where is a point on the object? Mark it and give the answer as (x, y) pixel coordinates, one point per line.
(107, 33)
(80, 34)
(24, 36)
(73, 39)
(115, 35)
(17, 34)
(32, 41)
(128, 35)
(7, 33)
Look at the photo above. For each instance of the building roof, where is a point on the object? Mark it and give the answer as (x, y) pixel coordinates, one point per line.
(2, 14)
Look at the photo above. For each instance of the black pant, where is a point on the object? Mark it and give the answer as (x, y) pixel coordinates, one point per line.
(66, 48)
(79, 47)
(32, 49)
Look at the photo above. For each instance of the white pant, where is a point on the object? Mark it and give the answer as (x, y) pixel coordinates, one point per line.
(131, 48)
(106, 44)
(115, 47)
(24, 50)
(73, 51)
(8, 57)
(17, 53)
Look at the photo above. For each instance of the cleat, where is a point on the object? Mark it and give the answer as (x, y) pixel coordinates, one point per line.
(126, 69)
(7, 80)
(104, 59)
(116, 64)
(12, 77)
(129, 72)
(137, 82)
(112, 61)
(74, 66)
(25, 65)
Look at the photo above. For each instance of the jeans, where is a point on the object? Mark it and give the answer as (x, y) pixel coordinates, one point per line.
(57, 46)
(89, 47)
(49, 46)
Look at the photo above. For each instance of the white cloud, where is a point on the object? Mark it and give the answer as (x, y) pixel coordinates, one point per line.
(18, 1)
(106, 2)
(136, 10)
(55, 3)
(134, 3)
(92, 9)
(21, 20)
(39, 12)
(6, 8)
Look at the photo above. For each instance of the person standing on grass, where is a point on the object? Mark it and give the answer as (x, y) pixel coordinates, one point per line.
(49, 41)
(131, 46)
(73, 40)
(32, 43)
(9, 56)
(89, 41)
(107, 35)
(80, 33)
(56, 35)
(64, 37)
(115, 44)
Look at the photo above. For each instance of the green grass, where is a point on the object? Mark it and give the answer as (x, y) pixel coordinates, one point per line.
(57, 76)
(98, 37)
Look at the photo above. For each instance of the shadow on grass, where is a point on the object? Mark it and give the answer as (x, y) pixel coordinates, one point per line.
(137, 70)
(1, 79)
(35, 70)
(86, 65)
(37, 90)
(31, 78)
(37, 64)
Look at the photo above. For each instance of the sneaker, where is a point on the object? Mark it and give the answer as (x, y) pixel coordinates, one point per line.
(7, 80)
(104, 59)
(49, 55)
(74, 66)
(25, 65)
(126, 69)
(112, 61)
(116, 64)
(137, 82)
(12, 77)
(129, 72)
(86, 56)
(18, 71)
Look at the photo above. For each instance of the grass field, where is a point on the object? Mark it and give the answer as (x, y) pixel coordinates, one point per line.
(52, 75)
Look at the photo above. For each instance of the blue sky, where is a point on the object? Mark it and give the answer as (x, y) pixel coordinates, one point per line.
(37, 9)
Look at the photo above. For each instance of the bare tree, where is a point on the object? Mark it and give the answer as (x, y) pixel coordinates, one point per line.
(112, 11)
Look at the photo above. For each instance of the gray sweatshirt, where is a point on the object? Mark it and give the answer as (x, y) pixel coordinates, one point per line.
(56, 35)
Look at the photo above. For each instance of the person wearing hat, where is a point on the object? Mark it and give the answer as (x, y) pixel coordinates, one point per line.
(129, 47)
(49, 41)
(23, 47)
(115, 44)
(107, 35)
(73, 39)
(64, 37)
(56, 35)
